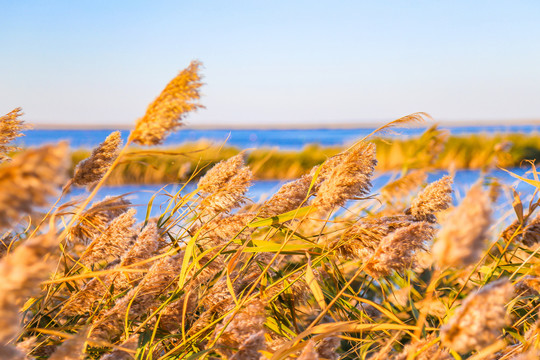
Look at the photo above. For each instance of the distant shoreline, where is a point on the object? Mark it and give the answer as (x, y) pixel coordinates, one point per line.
(371, 125)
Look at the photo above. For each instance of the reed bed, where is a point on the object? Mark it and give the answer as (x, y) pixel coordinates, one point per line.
(323, 269)
(192, 160)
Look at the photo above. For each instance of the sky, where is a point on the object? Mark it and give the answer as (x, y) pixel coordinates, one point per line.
(279, 62)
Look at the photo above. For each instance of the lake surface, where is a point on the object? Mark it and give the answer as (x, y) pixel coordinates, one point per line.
(293, 139)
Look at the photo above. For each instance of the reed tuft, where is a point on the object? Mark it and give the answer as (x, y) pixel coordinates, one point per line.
(479, 321)
(92, 169)
(95, 219)
(348, 179)
(462, 237)
(166, 113)
(11, 127)
(114, 241)
(436, 197)
(29, 180)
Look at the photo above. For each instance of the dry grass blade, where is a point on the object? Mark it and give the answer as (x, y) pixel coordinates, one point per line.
(416, 117)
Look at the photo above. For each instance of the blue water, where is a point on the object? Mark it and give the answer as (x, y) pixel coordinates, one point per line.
(140, 195)
(293, 139)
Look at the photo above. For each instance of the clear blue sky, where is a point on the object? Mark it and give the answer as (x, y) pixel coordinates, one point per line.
(272, 62)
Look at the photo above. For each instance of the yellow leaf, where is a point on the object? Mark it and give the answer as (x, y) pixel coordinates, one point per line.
(314, 286)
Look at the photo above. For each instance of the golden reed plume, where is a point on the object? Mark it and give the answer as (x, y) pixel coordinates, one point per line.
(92, 169)
(166, 112)
(30, 179)
(10, 128)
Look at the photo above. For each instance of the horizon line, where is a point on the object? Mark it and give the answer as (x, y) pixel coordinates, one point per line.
(339, 125)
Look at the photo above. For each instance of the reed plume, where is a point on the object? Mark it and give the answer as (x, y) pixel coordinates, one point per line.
(309, 353)
(29, 180)
(11, 127)
(350, 178)
(461, 239)
(479, 321)
(223, 187)
(326, 348)
(73, 348)
(92, 169)
(436, 197)
(174, 314)
(528, 233)
(220, 174)
(140, 299)
(166, 113)
(95, 220)
(396, 250)
(362, 239)
(230, 196)
(289, 197)
(404, 185)
(114, 241)
(22, 272)
(237, 331)
(12, 353)
(119, 354)
(425, 350)
(146, 246)
(531, 233)
(220, 231)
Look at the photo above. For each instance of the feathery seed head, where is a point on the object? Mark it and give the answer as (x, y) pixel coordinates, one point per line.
(361, 239)
(22, 272)
(350, 178)
(426, 351)
(94, 220)
(249, 349)
(119, 354)
(146, 246)
(397, 250)
(531, 233)
(228, 197)
(239, 328)
(114, 241)
(11, 127)
(73, 348)
(289, 197)
(222, 230)
(461, 239)
(140, 299)
(92, 169)
(224, 186)
(30, 179)
(404, 185)
(480, 319)
(326, 348)
(309, 353)
(436, 197)
(166, 113)
(220, 174)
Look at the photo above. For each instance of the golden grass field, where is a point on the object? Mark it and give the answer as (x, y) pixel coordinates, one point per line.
(323, 269)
